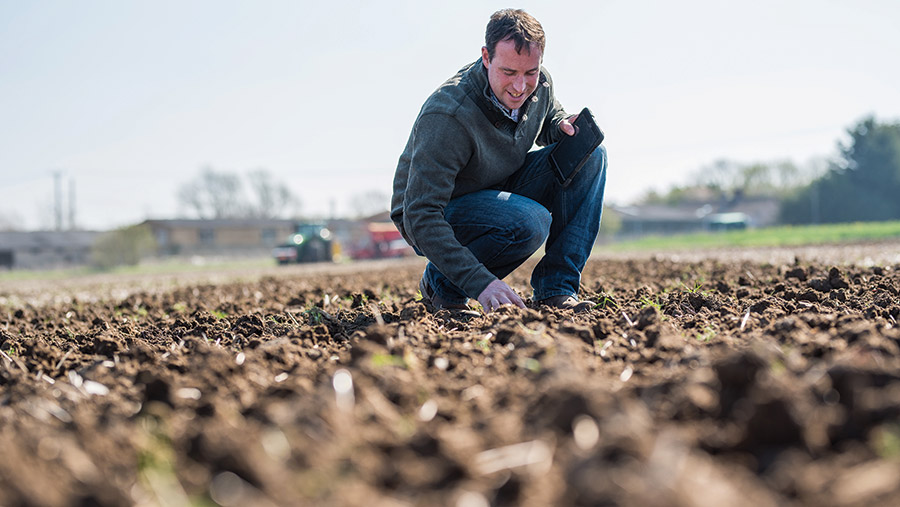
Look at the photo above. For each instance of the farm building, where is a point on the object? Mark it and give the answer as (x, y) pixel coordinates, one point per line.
(219, 236)
(45, 249)
(645, 219)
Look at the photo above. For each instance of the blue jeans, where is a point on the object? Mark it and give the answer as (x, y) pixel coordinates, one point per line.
(504, 226)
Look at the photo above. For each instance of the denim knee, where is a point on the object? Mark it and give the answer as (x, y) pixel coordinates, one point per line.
(532, 226)
(596, 163)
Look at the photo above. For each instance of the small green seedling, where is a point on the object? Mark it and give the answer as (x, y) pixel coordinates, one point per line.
(696, 289)
(707, 335)
(533, 365)
(886, 441)
(313, 314)
(382, 360)
(606, 300)
(651, 302)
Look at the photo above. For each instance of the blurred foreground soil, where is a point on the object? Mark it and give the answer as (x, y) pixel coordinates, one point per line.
(744, 377)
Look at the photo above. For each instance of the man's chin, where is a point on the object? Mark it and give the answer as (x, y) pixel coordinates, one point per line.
(513, 104)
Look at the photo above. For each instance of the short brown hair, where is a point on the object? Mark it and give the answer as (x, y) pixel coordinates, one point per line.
(516, 25)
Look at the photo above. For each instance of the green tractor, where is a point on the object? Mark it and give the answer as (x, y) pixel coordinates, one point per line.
(309, 243)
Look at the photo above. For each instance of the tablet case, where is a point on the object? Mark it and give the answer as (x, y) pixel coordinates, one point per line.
(571, 152)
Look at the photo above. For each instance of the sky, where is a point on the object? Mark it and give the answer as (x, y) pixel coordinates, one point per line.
(129, 101)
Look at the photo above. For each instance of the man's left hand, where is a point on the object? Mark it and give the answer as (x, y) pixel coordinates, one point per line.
(498, 293)
(566, 125)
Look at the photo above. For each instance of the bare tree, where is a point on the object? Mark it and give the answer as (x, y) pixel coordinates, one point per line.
(728, 177)
(788, 175)
(722, 175)
(370, 203)
(214, 194)
(272, 198)
(9, 221)
(221, 194)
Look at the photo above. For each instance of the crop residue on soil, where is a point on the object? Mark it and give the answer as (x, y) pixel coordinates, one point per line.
(709, 382)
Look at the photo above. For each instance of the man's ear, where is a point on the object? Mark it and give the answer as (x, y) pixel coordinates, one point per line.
(485, 57)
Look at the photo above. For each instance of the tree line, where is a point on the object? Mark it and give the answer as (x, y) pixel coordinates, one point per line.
(217, 194)
(860, 184)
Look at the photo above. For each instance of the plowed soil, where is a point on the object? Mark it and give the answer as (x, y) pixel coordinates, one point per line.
(700, 382)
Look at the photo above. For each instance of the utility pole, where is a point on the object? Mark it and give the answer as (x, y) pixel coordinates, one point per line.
(57, 205)
(72, 204)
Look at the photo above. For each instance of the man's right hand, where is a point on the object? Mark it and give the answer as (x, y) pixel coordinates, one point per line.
(499, 293)
(567, 125)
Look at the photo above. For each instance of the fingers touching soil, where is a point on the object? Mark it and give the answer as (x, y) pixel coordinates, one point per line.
(703, 382)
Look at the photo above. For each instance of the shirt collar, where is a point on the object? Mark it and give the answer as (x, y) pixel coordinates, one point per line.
(512, 114)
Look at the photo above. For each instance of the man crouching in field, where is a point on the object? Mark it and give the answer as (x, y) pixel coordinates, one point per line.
(471, 197)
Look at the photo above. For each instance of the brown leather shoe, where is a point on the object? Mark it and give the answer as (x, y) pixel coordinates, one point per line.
(564, 302)
(437, 302)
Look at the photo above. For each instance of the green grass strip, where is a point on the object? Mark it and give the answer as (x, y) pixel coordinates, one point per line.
(763, 237)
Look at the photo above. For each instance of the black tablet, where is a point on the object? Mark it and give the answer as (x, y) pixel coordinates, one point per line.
(571, 152)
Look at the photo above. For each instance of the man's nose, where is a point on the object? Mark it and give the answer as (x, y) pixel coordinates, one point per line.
(519, 84)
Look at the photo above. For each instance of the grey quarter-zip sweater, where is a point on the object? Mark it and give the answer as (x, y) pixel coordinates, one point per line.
(461, 143)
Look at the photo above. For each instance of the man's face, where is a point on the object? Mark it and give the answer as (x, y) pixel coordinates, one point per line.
(513, 76)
